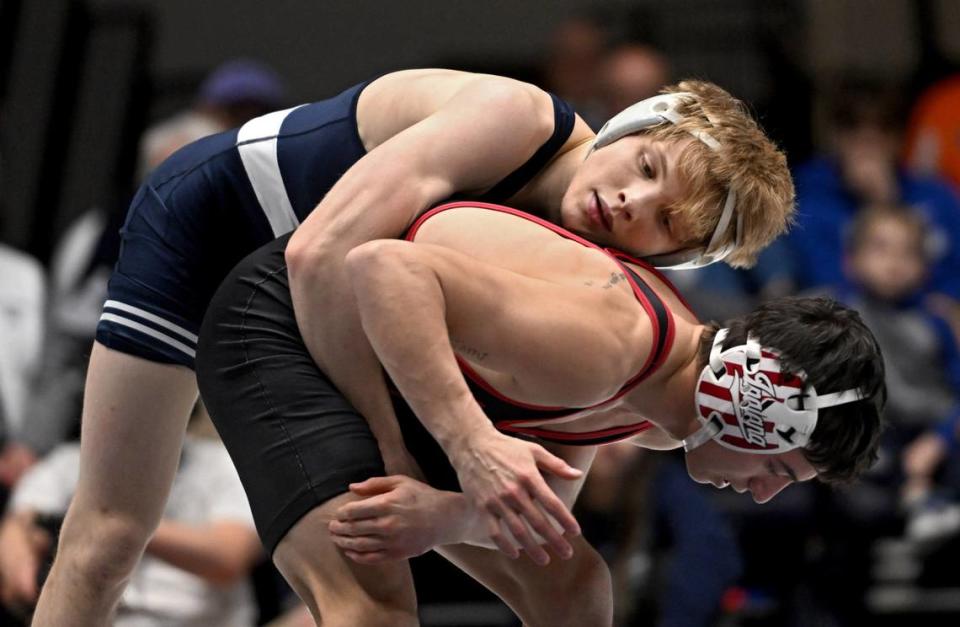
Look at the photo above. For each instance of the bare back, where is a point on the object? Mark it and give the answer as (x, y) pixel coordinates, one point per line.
(591, 287)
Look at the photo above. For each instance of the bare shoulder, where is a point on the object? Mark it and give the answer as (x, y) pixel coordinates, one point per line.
(516, 243)
(401, 99)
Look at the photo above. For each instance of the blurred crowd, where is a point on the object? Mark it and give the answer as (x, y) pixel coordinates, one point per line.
(878, 227)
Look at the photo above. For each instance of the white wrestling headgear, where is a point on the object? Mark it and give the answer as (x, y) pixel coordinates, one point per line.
(747, 404)
(653, 111)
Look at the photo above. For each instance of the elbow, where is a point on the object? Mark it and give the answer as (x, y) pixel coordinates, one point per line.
(301, 255)
(308, 254)
(375, 260)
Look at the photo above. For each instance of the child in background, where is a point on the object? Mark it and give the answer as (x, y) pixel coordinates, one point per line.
(887, 264)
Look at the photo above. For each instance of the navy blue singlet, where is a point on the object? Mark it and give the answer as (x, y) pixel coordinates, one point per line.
(216, 200)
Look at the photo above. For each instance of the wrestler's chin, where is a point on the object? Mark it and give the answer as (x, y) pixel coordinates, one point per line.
(569, 217)
(574, 219)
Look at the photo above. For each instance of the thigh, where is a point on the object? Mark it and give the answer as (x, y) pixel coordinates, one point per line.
(134, 415)
(295, 440)
(334, 587)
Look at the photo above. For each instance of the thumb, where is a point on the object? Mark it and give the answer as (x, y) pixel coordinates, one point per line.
(375, 485)
(551, 463)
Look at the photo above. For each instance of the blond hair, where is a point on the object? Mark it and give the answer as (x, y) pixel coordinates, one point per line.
(747, 160)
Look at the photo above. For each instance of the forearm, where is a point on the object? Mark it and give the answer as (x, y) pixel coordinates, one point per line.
(351, 214)
(219, 553)
(337, 343)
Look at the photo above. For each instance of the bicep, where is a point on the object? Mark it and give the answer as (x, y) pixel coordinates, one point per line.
(460, 147)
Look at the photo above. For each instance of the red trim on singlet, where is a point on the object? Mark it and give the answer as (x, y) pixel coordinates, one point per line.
(648, 368)
(652, 270)
(618, 433)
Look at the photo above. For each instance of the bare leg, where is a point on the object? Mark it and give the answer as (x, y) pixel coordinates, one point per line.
(134, 415)
(338, 591)
(572, 592)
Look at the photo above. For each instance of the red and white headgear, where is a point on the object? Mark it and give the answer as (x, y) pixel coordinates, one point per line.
(746, 403)
(657, 110)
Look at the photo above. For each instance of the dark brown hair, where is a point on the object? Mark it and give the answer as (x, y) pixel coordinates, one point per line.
(836, 350)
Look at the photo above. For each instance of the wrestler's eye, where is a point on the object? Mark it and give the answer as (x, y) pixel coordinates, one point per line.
(647, 169)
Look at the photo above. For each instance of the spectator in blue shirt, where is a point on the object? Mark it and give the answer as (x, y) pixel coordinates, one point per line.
(865, 126)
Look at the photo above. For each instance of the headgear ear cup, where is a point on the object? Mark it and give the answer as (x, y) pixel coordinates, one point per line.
(657, 110)
(745, 402)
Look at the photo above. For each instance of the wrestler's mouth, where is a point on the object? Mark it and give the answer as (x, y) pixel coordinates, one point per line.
(720, 483)
(599, 213)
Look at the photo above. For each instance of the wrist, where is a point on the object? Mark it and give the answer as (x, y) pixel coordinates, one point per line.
(460, 516)
(461, 444)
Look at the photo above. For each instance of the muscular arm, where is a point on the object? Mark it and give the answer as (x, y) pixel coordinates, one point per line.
(399, 517)
(410, 294)
(459, 147)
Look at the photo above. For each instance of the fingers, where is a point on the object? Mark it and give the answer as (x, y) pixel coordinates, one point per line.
(371, 507)
(552, 505)
(363, 527)
(526, 515)
(550, 462)
(375, 485)
(502, 538)
(360, 544)
(372, 557)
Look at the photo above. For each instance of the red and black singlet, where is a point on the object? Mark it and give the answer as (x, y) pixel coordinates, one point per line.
(511, 416)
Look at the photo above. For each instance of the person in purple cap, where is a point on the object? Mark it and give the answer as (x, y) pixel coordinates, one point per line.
(240, 90)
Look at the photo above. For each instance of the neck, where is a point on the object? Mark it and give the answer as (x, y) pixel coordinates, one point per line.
(544, 194)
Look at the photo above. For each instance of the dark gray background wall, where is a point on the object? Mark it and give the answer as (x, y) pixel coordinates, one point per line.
(321, 45)
(81, 78)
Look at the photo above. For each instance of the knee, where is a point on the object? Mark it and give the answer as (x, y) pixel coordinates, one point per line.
(103, 548)
(580, 592)
(348, 610)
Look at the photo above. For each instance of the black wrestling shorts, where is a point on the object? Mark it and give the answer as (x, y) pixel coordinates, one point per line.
(295, 440)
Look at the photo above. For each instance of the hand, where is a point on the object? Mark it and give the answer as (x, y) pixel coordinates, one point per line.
(501, 477)
(869, 172)
(923, 455)
(15, 459)
(21, 547)
(396, 518)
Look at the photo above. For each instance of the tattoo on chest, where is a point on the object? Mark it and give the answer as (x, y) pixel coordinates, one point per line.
(615, 277)
(468, 351)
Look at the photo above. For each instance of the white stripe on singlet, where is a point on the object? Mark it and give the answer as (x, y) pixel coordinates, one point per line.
(142, 328)
(257, 145)
(146, 315)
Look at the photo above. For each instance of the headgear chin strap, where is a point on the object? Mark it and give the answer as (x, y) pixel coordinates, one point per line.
(653, 111)
(747, 404)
